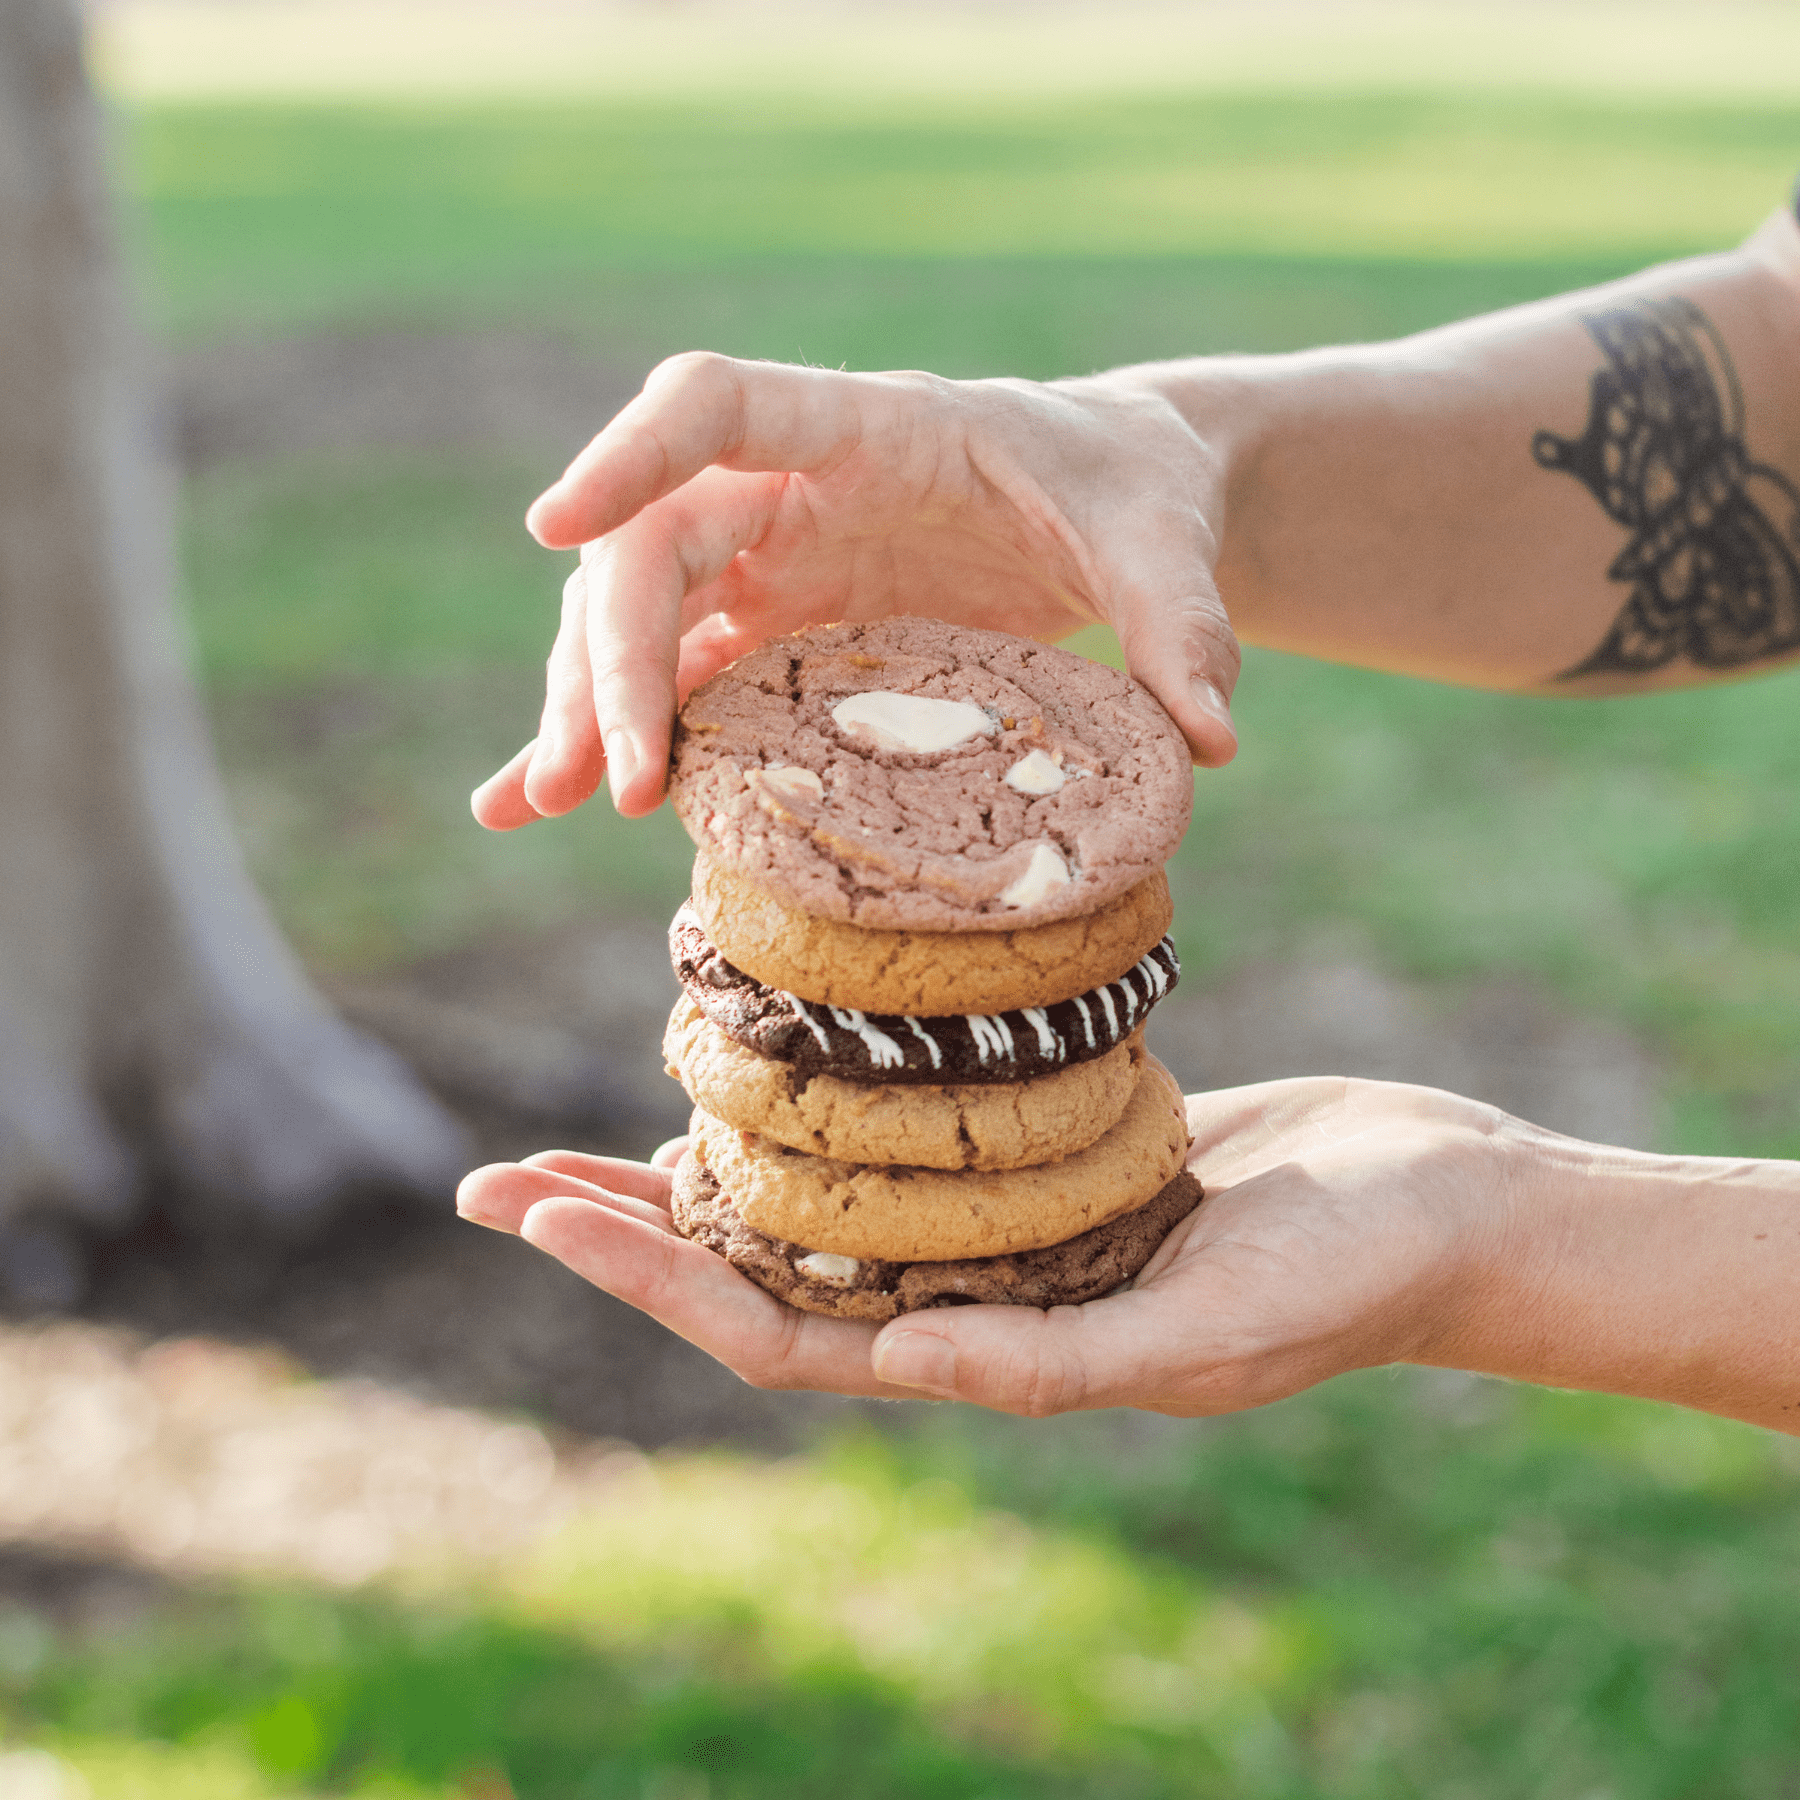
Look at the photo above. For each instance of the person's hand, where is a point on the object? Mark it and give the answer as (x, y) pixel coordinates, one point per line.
(1346, 1224)
(733, 501)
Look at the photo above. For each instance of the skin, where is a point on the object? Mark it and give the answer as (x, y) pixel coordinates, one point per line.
(1375, 505)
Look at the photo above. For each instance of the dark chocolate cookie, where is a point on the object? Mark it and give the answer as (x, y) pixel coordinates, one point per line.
(895, 1049)
(1066, 1274)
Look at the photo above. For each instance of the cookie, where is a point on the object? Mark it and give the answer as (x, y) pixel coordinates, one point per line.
(927, 974)
(899, 1213)
(1000, 1125)
(897, 1049)
(910, 775)
(1067, 1274)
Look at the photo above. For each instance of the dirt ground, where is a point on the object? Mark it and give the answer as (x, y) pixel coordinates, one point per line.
(553, 1039)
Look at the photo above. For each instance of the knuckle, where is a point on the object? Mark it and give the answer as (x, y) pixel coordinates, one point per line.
(695, 377)
(1041, 1385)
(774, 1370)
(687, 363)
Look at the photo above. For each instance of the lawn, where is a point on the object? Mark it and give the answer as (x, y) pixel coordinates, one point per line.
(1421, 1587)
(1412, 1585)
(1635, 856)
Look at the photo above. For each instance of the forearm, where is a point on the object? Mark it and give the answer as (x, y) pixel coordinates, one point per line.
(1669, 1278)
(1398, 505)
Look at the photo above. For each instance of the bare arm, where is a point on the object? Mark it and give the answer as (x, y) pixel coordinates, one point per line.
(1592, 493)
(1588, 494)
(1347, 1224)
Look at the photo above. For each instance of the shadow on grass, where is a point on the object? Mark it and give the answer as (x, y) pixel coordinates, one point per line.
(327, 1694)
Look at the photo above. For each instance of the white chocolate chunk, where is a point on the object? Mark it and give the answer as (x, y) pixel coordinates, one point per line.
(821, 1263)
(788, 784)
(912, 722)
(1034, 774)
(1045, 874)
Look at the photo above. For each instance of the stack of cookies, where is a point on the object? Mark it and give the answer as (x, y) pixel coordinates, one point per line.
(927, 925)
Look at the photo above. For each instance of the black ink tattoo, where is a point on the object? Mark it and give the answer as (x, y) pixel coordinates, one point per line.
(1713, 578)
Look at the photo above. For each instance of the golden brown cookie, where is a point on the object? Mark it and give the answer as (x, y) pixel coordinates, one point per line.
(1083, 1268)
(898, 1213)
(925, 973)
(994, 1125)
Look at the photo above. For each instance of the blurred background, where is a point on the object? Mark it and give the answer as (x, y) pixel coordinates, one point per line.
(401, 1509)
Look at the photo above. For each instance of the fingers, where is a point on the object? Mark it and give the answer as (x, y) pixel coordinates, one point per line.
(1179, 643)
(698, 1295)
(696, 410)
(569, 760)
(637, 583)
(1237, 1132)
(642, 1181)
(500, 803)
(666, 1156)
(500, 1195)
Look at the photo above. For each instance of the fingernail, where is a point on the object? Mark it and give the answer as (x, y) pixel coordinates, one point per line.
(623, 761)
(1209, 699)
(543, 755)
(916, 1359)
(534, 514)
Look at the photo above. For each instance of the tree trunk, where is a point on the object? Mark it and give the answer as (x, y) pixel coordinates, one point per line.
(155, 1030)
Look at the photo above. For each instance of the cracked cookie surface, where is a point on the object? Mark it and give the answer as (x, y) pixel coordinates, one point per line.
(1082, 1268)
(827, 769)
(999, 1125)
(900, 1213)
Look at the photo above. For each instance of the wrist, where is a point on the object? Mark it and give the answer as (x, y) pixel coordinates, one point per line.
(1617, 1271)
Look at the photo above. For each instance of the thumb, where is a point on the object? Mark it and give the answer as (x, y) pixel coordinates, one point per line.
(1019, 1360)
(1179, 643)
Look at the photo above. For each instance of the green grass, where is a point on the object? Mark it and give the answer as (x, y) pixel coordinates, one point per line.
(372, 626)
(1422, 1587)
(279, 215)
(1396, 1586)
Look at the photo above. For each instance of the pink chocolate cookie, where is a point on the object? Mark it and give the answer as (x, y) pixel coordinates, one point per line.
(916, 776)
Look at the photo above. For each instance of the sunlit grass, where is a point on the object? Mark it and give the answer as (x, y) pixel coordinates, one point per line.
(1362, 1594)
(282, 213)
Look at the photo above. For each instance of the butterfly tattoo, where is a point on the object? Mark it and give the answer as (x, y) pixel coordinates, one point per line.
(1713, 577)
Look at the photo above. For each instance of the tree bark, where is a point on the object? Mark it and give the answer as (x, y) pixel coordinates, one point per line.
(154, 1027)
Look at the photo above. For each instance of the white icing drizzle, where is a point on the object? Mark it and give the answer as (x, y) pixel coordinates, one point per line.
(810, 1022)
(1131, 1000)
(990, 1032)
(1087, 1020)
(1049, 1038)
(883, 1052)
(1112, 1013)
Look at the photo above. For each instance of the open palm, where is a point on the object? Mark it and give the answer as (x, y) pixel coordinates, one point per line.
(1339, 1216)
